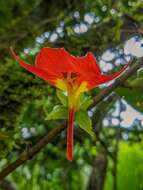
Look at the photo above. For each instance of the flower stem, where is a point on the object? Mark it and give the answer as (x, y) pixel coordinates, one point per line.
(70, 134)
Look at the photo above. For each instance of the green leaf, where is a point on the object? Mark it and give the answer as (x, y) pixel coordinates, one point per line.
(87, 101)
(83, 120)
(84, 102)
(140, 72)
(62, 97)
(137, 83)
(58, 112)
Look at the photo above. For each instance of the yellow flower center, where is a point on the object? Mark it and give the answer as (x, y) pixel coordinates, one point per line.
(69, 83)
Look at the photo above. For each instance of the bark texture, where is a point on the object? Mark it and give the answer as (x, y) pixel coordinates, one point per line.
(98, 174)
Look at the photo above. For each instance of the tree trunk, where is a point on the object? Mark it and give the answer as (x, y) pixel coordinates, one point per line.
(98, 174)
(6, 185)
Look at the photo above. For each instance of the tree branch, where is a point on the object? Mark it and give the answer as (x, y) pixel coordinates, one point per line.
(32, 151)
(54, 132)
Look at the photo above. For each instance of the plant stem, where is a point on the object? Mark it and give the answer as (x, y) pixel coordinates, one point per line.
(70, 134)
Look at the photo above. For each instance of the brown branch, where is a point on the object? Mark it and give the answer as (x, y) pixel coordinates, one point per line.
(54, 132)
(32, 151)
(133, 31)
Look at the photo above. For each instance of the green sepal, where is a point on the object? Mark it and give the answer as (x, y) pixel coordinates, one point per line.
(62, 97)
(84, 121)
(85, 103)
(58, 112)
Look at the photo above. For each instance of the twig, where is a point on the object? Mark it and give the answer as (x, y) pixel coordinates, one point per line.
(54, 132)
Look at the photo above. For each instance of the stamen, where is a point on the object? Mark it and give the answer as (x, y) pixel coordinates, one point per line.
(65, 75)
(73, 75)
(69, 76)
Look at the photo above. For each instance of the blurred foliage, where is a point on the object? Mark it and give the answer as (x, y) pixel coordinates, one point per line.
(129, 168)
(28, 105)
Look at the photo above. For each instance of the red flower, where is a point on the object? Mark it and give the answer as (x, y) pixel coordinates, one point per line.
(72, 74)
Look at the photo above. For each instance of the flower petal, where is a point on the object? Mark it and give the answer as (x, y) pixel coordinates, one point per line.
(86, 64)
(33, 69)
(86, 68)
(54, 60)
(93, 63)
(106, 78)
